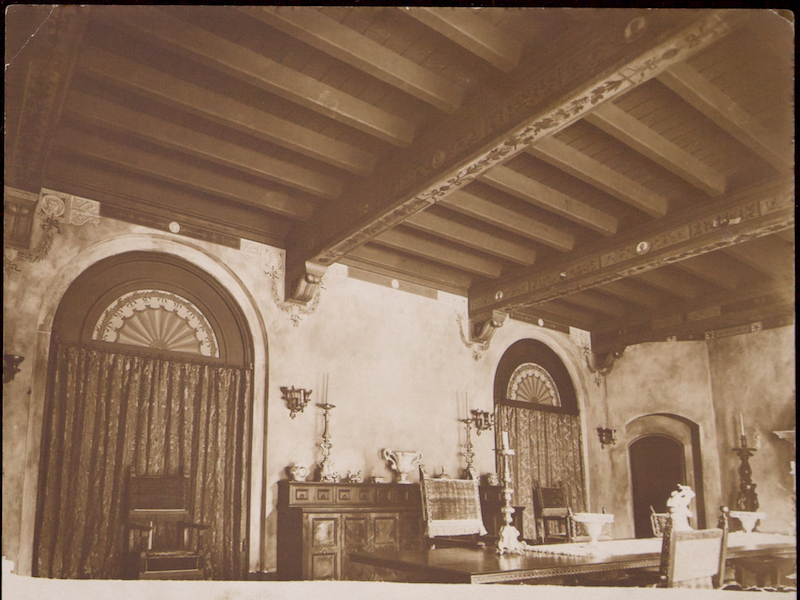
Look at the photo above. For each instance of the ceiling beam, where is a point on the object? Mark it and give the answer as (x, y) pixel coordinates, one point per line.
(191, 141)
(711, 269)
(673, 281)
(472, 33)
(437, 252)
(186, 173)
(586, 168)
(422, 272)
(769, 255)
(755, 212)
(143, 201)
(541, 98)
(474, 206)
(260, 71)
(538, 194)
(632, 132)
(725, 112)
(634, 292)
(558, 312)
(472, 237)
(352, 48)
(595, 302)
(221, 109)
(692, 319)
(37, 80)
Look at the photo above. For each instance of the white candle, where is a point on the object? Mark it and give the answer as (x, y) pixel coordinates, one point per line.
(466, 402)
(505, 440)
(325, 386)
(741, 423)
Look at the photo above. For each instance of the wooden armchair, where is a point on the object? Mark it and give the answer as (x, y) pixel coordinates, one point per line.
(451, 509)
(553, 514)
(160, 528)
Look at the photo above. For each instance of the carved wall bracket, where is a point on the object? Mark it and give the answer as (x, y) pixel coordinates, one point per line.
(601, 364)
(480, 334)
(304, 288)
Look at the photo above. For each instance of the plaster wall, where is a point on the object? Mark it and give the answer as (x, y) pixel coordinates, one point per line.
(659, 378)
(753, 377)
(398, 372)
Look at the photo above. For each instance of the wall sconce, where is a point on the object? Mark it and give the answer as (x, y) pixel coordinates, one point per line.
(607, 436)
(11, 366)
(296, 399)
(483, 420)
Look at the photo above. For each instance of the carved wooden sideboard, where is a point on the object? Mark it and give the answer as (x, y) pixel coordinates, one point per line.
(320, 523)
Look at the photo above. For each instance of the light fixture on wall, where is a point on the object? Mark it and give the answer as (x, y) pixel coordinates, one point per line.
(11, 366)
(607, 436)
(296, 399)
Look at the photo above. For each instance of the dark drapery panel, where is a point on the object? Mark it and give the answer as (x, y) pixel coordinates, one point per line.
(112, 414)
(548, 450)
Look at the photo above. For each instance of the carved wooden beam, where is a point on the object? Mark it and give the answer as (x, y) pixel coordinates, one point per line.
(472, 33)
(752, 213)
(303, 289)
(542, 98)
(43, 71)
(717, 106)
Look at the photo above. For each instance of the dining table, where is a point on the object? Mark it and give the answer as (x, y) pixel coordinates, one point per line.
(472, 564)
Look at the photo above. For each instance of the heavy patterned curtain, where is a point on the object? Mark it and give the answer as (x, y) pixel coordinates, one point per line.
(548, 451)
(110, 414)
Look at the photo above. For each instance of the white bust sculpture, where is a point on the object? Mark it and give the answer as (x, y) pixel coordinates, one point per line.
(678, 506)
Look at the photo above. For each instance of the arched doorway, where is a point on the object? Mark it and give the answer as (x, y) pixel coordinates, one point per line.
(657, 467)
(536, 404)
(150, 373)
(664, 450)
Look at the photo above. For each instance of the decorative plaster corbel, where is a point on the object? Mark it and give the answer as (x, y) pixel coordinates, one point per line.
(603, 364)
(306, 286)
(482, 333)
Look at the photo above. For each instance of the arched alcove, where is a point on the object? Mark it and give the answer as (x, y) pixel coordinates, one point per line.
(537, 405)
(679, 434)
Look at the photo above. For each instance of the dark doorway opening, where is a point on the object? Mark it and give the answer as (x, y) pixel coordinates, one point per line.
(657, 467)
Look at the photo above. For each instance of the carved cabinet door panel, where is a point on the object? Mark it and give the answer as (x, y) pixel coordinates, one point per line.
(385, 531)
(323, 540)
(356, 531)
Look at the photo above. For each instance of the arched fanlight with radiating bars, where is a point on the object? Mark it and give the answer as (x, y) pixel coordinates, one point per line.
(158, 320)
(532, 383)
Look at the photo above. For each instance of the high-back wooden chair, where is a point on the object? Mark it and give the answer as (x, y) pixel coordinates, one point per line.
(160, 540)
(693, 558)
(553, 514)
(657, 522)
(451, 509)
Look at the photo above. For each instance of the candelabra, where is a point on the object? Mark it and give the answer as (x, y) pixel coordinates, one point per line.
(746, 499)
(326, 472)
(483, 421)
(508, 540)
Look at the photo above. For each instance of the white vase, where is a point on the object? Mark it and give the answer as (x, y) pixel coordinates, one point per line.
(402, 461)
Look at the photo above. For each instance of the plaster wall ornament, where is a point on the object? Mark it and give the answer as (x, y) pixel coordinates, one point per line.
(53, 210)
(272, 261)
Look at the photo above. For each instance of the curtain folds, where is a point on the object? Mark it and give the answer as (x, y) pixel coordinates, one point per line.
(548, 451)
(109, 415)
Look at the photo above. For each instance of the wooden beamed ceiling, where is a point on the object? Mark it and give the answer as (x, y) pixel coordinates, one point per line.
(625, 172)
